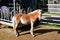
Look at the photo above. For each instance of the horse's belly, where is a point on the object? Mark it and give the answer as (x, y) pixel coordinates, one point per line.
(24, 21)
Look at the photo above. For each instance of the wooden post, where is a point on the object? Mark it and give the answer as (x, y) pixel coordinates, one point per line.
(48, 5)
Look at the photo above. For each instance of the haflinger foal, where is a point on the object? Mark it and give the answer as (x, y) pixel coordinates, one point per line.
(26, 19)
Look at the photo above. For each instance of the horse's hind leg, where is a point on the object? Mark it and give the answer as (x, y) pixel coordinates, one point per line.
(15, 27)
(16, 30)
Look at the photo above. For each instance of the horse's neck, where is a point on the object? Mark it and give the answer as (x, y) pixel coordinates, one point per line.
(33, 17)
(32, 12)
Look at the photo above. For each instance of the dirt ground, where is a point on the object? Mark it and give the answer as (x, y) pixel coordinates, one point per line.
(42, 33)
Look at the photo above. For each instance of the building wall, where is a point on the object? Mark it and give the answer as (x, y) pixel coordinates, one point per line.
(54, 6)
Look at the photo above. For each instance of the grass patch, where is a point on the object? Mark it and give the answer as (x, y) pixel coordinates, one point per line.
(57, 14)
(52, 25)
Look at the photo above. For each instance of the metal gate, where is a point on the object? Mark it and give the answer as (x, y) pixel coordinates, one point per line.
(6, 13)
(5, 18)
(31, 5)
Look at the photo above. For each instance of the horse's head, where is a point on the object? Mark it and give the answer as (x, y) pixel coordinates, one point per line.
(39, 13)
(36, 13)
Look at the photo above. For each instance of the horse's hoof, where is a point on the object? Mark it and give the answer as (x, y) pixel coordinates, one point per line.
(33, 35)
(16, 35)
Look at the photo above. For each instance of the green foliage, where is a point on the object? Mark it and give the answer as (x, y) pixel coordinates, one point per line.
(52, 25)
(56, 14)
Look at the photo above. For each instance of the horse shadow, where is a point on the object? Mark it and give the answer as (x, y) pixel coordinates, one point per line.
(44, 31)
(38, 31)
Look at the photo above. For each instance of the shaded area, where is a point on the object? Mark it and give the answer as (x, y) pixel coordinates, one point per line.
(40, 31)
(43, 31)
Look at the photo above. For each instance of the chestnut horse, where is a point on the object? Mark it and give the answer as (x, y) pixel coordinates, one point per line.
(25, 19)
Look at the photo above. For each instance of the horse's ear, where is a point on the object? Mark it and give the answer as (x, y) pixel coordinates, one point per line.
(40, 10)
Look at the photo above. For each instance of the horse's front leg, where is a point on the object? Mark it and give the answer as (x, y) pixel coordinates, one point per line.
(31, 30)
